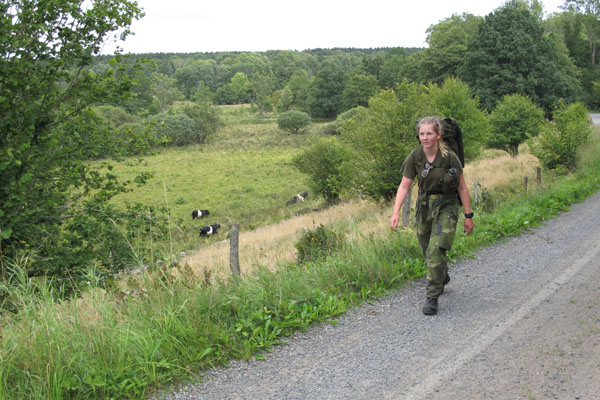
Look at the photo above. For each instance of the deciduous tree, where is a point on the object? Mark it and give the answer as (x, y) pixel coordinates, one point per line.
(164, 91)
(322, 162)
(558, 143)
(327, 88)
(381, 137)
(359, 89)
(261, 86)
(50, 196)
(515, 120)
(293, 121)
(447, 42)
(455, 99)
(590, 9)
(511, 54)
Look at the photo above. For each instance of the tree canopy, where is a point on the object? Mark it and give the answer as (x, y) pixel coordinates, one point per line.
(514, 120)
(447, 42)
(47, 131)
(511, 54)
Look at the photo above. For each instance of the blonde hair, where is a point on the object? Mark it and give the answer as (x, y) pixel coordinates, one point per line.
(438, 127)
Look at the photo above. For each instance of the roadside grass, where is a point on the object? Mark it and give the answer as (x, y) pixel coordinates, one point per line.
(108, 344)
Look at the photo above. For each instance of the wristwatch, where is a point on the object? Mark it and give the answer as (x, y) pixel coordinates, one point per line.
(469, 215)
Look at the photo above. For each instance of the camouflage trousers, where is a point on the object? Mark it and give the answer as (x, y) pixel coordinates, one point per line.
(436, 227)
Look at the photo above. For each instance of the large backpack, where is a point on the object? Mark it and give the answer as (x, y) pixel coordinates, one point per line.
(452, 137)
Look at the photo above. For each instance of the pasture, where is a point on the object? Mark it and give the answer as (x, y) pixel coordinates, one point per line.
(242, 174)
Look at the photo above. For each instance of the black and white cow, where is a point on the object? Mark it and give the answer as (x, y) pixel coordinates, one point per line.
(199, 213)
(209, 229)
(299, 196)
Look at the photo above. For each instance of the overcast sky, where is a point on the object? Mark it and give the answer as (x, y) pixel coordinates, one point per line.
(185, 26)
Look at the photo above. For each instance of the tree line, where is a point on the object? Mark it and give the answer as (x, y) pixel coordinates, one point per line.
(513, 51)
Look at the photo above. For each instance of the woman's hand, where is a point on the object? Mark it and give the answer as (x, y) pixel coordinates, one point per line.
(403, 189)
(394, 222)
(469, 226)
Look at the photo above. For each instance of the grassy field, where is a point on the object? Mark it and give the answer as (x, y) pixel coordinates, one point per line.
(242, 174)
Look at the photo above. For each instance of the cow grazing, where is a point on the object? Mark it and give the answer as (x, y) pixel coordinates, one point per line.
(209, 229)
(299, 196)
(199, 213)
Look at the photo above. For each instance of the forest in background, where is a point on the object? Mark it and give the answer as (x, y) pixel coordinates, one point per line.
(327, 82)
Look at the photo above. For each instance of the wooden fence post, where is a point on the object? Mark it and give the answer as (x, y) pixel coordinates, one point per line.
(525, 180)
(406, 208)
(476, 192)
(539, 176)
(234, 260)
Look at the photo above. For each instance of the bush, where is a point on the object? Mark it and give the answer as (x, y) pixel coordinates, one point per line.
(205, 116)
(187, 123)
(293, 121)
(515, 119)
(117, 116)
(322, 163)
(381, 137)
(318, 243)
(560, 140)
(335, 127)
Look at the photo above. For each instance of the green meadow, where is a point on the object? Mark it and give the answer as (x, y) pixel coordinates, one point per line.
(242, 174)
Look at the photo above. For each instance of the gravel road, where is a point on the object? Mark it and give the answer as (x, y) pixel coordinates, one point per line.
(519, 321)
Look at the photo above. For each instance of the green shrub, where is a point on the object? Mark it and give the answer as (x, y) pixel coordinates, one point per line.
(328, 129)
(560, 140)
(515, 119)
(285, 99)
(189, 124)
(322, 163)
(381, 137)
(117, 116)
(335, 127)
(318, 243)
(293, 121)
(206, 118)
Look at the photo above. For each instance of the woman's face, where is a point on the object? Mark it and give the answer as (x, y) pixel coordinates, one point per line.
(428, 137)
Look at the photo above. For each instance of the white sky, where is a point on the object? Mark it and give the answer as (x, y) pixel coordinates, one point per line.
(185, 26)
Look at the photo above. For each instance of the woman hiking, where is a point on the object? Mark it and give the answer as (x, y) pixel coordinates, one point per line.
(440, 177)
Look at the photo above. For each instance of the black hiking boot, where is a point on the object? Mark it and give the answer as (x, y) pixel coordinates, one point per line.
(430, 307)
(446, 281)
